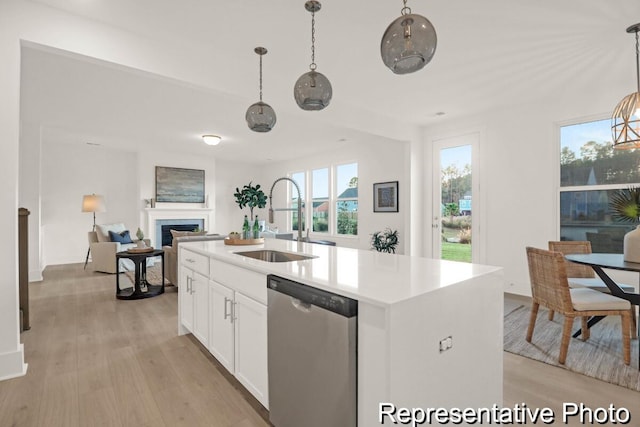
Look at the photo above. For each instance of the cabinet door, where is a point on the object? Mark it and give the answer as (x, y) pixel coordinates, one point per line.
(221, 324)
(200, 295)
(251, 347)
(186, 298)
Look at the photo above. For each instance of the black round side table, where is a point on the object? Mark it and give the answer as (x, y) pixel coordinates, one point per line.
(141, 288)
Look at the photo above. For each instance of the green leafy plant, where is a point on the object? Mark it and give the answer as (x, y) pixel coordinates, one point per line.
(250, 196)
(139, 234)
(625, 205)
(385, 241)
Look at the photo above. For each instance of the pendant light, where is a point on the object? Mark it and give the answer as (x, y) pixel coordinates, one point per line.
(409, 42)
(260, 116)
(625, 121)
(312, 90)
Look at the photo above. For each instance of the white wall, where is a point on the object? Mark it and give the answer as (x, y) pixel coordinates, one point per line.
(379, 160)
(230, 175)
(519, 173)
(29, 193)
(71, 171)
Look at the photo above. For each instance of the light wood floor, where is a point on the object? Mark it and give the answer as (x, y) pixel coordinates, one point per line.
(97, 361)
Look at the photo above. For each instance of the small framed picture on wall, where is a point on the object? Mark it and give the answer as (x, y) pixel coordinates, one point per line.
(385, 196)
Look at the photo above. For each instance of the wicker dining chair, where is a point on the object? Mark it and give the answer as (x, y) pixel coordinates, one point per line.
(583, 276)
(550, 288)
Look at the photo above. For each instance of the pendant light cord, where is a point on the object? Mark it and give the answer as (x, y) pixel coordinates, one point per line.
(313, 65)
(406, 10)
(637, 61)
(260, 78)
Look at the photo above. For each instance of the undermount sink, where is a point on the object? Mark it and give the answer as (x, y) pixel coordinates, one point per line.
(274, 256)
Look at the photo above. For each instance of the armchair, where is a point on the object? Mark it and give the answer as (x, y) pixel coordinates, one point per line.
(103, 250)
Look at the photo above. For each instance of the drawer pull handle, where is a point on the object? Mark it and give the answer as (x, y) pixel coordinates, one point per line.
(190, 260)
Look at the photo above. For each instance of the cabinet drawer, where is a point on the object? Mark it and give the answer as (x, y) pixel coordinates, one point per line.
(250, 283)
(195, 261)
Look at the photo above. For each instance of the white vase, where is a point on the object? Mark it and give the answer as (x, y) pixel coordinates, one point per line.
(632, 245)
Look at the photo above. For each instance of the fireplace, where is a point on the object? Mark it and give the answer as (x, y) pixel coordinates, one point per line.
(164, 226)
(167, 237)
(157, 217)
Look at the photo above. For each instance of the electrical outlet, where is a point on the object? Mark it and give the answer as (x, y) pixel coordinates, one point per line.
(446, 343)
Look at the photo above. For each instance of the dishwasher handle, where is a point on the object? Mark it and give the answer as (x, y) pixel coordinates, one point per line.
(302, 306)
(308, 295)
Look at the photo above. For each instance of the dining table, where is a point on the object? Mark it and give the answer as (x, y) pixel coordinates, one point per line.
(600, 261)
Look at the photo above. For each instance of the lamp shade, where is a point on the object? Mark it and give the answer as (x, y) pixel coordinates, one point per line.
(260, 117)
(312, 91)
(93, 203)
(408, 44)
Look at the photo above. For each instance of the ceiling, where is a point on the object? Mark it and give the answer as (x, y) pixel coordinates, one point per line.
(491, 54)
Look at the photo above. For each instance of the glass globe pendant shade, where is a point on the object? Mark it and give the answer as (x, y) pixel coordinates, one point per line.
(408, 44)
(260, 117)
(312, 91)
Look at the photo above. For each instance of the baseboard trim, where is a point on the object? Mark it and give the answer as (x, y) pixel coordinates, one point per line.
(35, 276)
(12, 364)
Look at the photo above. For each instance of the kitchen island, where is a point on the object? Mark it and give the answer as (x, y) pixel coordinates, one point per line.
(429, 331)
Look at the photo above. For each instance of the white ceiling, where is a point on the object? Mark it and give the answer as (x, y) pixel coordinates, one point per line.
(491, 54)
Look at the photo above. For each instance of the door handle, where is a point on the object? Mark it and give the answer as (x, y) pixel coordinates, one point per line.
(193, 291)
(233, 311)
(188, 284)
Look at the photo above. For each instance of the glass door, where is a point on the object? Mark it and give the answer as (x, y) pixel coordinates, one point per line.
(454, 219)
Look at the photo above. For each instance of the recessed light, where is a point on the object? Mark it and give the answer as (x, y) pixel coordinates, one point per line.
(211, 139)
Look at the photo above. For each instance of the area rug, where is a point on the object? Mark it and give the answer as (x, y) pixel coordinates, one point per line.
(154, 277)
(599, 357)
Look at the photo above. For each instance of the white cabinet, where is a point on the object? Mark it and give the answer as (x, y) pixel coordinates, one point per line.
(193, 295)
(251, 346)
(221, 325)
(238, 338)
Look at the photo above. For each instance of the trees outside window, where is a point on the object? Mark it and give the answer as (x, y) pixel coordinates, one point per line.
(591, 172)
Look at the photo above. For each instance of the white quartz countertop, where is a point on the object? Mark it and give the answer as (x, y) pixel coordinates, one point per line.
(369, 276)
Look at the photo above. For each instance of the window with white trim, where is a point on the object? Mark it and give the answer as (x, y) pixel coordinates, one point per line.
(332, 197)
(591, 172)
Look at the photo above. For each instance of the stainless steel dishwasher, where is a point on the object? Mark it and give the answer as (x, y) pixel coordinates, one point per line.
(312, 336)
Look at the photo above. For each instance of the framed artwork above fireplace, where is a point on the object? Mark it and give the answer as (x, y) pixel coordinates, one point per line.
(178, 185)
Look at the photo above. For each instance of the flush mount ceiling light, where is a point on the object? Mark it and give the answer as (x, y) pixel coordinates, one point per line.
(312, 90)
(260, 116)
(625, 121)
(211, 139)
(409, 42)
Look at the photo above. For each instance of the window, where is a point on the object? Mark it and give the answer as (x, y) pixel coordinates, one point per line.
(320, 201)
(590, 173)
(333, 199)
(347, 199)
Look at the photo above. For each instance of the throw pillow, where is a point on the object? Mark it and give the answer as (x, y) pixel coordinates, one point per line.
(122, 237)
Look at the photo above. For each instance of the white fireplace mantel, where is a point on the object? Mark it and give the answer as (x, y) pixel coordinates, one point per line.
(156, 214)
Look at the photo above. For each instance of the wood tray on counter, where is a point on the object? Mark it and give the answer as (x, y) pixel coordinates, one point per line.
(241, 242)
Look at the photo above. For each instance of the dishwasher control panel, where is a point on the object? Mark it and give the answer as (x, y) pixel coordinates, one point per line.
(327, 300)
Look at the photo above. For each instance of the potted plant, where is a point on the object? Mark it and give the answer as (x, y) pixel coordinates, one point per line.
(250, 196)
(385, 241)
(625, 207)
